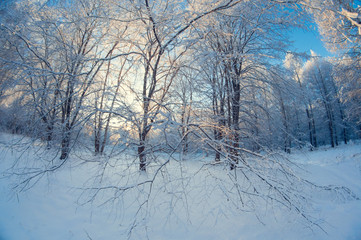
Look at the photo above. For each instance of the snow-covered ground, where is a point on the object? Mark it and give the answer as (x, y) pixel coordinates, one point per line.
(191, 203)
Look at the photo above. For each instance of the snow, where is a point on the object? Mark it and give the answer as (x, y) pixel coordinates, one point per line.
(186, 204)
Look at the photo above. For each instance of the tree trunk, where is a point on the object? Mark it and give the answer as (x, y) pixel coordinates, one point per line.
(235, 122)
(96, 144)
(66, 112)
(183, 127)
(344, 126)
(287, 140)
(330, 126)
(142, 157)
(313, 126)
(49, 135)
(65, 143)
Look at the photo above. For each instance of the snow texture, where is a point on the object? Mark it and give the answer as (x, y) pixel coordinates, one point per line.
(189, 209)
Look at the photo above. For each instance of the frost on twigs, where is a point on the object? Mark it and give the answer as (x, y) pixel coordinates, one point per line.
(185, 191)
(196, 191)
(31, 161)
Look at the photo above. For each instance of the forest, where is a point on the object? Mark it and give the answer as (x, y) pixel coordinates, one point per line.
(144, 84)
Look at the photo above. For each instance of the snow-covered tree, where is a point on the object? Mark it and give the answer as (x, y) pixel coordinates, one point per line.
(318, 75)
(236, 51)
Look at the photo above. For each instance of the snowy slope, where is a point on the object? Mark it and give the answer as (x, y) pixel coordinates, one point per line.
(192, 208)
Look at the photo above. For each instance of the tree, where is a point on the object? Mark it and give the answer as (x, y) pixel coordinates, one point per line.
(318, 74)
(182, 93)
(238, 45)
(9, 45)
(347, 78)
(105, 99)
(294, 64)
(338, 22)
(211, 69)
(158, 40)
(60, 60)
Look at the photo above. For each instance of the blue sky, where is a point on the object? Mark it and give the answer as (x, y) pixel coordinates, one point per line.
(304, 41)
